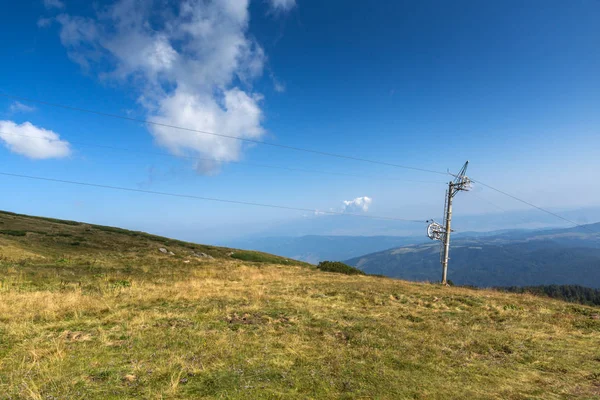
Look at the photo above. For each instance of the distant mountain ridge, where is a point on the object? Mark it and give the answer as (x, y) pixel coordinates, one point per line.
(520, 258)
(315, 248)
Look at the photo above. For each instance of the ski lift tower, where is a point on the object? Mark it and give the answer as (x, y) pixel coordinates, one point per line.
(439, 232)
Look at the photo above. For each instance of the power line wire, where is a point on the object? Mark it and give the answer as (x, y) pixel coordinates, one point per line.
(488, 201)
(497, 206)
(255, 141)
(205, 198)
(275, 145)
(534, 206)
(217, 160)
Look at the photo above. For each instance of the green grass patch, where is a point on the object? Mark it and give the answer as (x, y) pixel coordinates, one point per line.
(255, 256)
(339, 267)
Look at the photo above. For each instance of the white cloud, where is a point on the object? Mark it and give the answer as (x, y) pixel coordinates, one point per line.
(32, 141)
(18, 107)
(192, 66)
(359, 204)
(282, 5)
(277, 84)
(235, 112)
(53, 4)
(44, 22)
(279, 87)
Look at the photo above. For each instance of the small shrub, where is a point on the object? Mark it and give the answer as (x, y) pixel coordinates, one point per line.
(11, 232)
(339, 267)
(63, 234)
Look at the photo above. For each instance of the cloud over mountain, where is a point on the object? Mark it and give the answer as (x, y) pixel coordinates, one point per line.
(359, 204)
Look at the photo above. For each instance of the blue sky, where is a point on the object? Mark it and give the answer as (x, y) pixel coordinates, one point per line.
(512, 86)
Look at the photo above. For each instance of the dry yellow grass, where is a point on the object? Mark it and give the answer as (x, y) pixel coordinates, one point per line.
(115, 319)
(9, 252)
(230, 330)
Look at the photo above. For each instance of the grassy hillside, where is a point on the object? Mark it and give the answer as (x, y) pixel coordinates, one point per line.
(62, 250)
(89, 312)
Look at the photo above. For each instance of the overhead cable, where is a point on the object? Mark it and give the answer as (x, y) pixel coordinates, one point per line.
(248, 203)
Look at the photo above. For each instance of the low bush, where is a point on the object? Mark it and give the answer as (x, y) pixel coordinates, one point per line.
(339, 267)
(254, 256)
(11, 232)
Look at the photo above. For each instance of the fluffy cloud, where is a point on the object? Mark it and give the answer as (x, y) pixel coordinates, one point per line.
(236, 112)
(192, 67)
(18, 107)
(359, 204)
(32, 141)
(53, 4)
(282, 5)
